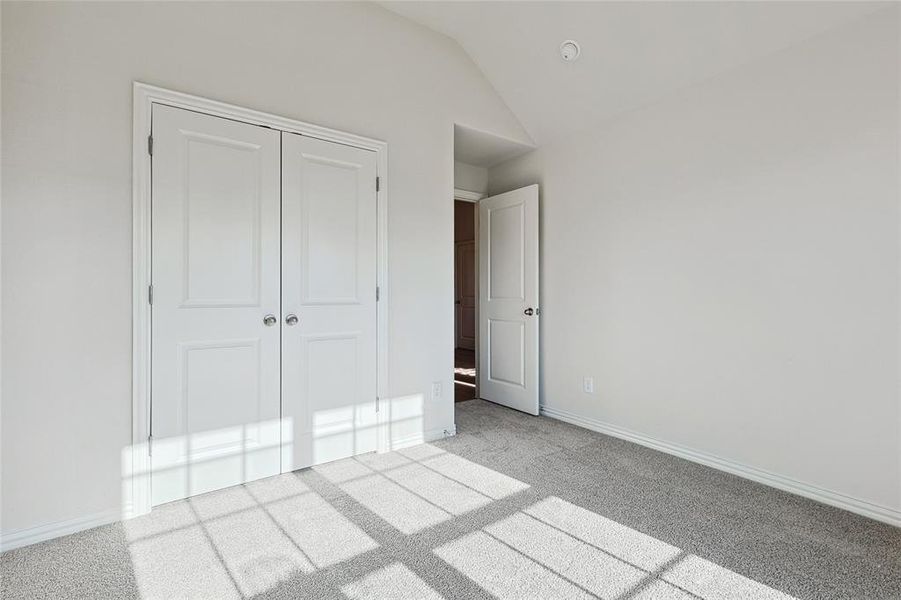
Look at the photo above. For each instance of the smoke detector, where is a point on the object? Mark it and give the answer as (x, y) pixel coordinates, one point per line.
(570, 50)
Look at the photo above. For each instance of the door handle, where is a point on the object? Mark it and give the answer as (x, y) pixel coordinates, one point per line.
(291, 320)
(270, 320)
(529, 311)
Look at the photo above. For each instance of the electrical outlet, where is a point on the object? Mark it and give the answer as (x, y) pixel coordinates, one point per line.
(436, 390)
(588, 385)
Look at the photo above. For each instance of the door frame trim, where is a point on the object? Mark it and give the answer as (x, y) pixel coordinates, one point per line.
(136, 465)
(467, 196)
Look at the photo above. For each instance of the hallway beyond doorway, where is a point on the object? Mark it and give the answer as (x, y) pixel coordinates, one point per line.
(464, 374)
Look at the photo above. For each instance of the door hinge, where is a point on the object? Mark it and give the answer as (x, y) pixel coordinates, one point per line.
(378, 183)
(150, 145)
(150, 294)
(377, 293)
(376, 404)
(150, 445)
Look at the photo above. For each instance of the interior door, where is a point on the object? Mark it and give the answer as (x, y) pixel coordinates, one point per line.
(465, 292)
(329, 297)
(508, 299)
(215, 303)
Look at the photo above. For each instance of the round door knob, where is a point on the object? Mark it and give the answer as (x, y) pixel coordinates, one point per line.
(529, 311)
(269, 320)
(291, 320)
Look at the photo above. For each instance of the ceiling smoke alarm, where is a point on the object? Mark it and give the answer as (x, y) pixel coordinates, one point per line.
(570, 50)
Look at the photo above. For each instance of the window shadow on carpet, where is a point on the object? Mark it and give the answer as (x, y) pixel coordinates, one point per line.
(430, 521)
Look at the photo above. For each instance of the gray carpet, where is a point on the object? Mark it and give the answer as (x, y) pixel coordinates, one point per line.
(512, 507)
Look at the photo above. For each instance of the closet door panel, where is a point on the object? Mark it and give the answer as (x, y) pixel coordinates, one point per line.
(328, 283)
(215, 402)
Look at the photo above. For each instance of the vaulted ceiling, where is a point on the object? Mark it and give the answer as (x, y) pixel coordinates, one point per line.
(633, 53)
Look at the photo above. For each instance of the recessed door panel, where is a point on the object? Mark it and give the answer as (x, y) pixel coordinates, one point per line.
(506, 346)
(215, 272)
(328, 282)
(329, 219)
(505, 253)
(222, 221)
(211, 371)
(508, 299)
(333, 424)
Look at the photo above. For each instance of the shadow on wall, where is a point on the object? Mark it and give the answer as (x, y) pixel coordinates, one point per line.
(415, 523)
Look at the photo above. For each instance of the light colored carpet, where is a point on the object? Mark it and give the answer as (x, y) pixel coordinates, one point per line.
(512, 507)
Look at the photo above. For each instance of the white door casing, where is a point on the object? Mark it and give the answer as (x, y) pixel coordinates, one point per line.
(215, 276)
(329, 358)
(465, 294)
(508, 299)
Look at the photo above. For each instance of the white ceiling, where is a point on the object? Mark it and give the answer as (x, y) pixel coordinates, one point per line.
(633, 53)
(482, 149)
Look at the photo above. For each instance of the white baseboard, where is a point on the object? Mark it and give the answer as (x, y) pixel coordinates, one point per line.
(422, 438)
(439, 434)
(861, 507)
(33, 535)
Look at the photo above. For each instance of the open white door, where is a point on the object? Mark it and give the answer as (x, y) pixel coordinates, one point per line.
(508, 299)
(215, 311)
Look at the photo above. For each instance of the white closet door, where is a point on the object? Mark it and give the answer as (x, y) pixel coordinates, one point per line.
(328, 284)
(215, 363)
(508, 299)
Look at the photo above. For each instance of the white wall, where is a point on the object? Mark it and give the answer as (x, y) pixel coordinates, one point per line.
(726, 265)
(66, 175)
(470, 177)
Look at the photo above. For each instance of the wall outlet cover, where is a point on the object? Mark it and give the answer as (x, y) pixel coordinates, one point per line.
(588, 385)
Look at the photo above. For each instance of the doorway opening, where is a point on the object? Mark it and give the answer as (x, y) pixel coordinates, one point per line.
(507, 359)
(465, 299)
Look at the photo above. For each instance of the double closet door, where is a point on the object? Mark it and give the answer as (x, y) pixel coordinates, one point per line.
(264, 353)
